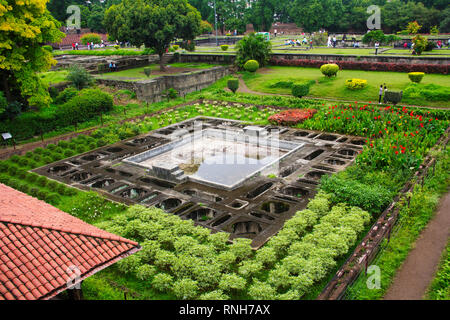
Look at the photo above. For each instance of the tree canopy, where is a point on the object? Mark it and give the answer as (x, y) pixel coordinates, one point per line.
(24, 27)
(153, 23)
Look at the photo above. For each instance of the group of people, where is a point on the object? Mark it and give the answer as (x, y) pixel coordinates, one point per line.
(90, 45)
(112, 66)
(292, 42)
(381, 92)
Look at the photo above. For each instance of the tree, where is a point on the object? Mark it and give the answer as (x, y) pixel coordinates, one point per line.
(262, 14)
(154, 23)
(25, 27)
(253, 47)
(79, 77)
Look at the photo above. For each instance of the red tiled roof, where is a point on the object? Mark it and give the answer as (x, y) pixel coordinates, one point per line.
(39, 243)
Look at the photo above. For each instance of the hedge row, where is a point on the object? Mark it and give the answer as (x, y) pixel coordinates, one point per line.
(88, 103)
(363, 65)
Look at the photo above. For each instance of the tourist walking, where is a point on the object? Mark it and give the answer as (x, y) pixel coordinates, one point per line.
(384, 96)
(275, 33)
(329, 42)
(73, 46)
(76, 45)
(334, 41)
(377, 45)
(310, 43)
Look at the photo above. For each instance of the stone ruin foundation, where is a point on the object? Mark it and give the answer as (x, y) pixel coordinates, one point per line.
(254, 207)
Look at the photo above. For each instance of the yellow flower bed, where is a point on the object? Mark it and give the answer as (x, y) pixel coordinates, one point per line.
(356, 84)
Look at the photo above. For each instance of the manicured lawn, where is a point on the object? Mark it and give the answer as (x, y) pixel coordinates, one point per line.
(264, 80)
(138, 73)
(325, 50)
(54, 76)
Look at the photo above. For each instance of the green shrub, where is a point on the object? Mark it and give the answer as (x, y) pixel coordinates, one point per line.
(116, 46)
(48, 48)
(63, 144)
(393, 97)
(53, 198)
(15, 158)
(175, 47)
(31, 177)
(87, 104)
(65, 95)
(41, 181)
(429, 92)
(416, 76)
(224, 47)
(147, 71)
(233, 84)
(91, 38)
(373, 198)
(253, 47)
(38, 150)
(23, 162)
(300, 90)
(42, 195)
(12, 170)
(329, 69)
(68, 153)
(79, 77)
(251, 65)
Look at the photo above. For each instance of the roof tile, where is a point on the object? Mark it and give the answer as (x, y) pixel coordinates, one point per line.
(38, 242)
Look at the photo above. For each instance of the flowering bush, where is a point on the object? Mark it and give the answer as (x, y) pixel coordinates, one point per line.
(292, 117)
(355, 84)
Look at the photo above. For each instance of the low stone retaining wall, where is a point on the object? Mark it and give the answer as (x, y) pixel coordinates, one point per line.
(152, 90)
(357, 58)
(229, 58)
(99, 64)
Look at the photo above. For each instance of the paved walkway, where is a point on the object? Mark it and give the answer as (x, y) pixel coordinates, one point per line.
(419, 268)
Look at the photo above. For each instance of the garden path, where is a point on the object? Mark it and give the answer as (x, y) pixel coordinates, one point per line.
(418, 270)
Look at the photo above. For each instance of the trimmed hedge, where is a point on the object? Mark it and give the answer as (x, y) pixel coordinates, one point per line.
(373, 66)
(416, 76)
(251, 65)
(86, 105)
(300, 89)
(233, 84)
(329, 69)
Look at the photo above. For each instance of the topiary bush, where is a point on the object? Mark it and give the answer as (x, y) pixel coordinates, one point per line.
(329, 69)
(393, 97)
(251, 65)
(300, 89)
(224, 47)
(355, 84)
(147, 71)
(416, 76)
(175, 47)
(233, 84)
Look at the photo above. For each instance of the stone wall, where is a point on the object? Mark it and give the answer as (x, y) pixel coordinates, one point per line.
(151, 90)
(357, 58)
(98, 64)
(208, 58)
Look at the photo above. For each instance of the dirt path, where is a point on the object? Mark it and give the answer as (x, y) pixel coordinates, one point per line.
(419, 268)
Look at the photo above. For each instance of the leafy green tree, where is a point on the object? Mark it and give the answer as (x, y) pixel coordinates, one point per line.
(262, 14)
(79, 77)
(25, 27)
(253, 47)
(153, 23)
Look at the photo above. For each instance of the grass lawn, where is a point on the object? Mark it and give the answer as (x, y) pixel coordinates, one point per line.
(264, 80)
(138, 73)
(54, 76)
(325, 50)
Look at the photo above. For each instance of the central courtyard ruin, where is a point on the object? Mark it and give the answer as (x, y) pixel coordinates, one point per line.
(223, 174)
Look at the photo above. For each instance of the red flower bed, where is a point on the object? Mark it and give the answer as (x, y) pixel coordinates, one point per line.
(292, 117)
(366, 66)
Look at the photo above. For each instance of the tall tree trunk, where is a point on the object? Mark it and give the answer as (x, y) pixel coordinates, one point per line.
(5, 85)
(161, 62)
